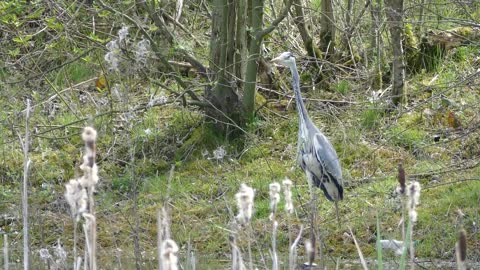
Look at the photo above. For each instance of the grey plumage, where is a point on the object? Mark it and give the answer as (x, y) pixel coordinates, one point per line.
(315, 154)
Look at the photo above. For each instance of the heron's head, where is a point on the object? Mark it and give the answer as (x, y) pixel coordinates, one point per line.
(285, 59)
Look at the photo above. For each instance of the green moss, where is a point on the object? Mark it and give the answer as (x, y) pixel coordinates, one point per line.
(408, 138)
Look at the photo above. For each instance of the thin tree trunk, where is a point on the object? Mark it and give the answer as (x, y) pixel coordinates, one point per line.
(299, 20)
(377, 43)
(241, 50)
(327, 24)
(394, 11)
(254, 53)
(420, 19)
(348, 25)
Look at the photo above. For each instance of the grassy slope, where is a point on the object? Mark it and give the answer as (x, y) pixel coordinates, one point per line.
(370, 145)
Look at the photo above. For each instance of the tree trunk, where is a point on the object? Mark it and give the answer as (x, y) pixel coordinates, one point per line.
(253, 55)
(234, 54)
(256, 39)
(241, 46)
(377, 44)
(327, 24)
(299, 19)
(348, 25)
(223, 95)
(394, 11)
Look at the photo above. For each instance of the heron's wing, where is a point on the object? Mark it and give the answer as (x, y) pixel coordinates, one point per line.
(331, 169)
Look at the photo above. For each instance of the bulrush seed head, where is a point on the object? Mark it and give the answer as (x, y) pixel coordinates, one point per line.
(401, 179)
(287, 190)
(90, 175)
(245, 204)
(274, 195)
(169, 255)
(462, 246)
(274, 198)
(76, 197)
(89, 134)
(413, 194)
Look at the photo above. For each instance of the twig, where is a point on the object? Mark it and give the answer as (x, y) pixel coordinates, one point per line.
(52, 69)
(360, 254)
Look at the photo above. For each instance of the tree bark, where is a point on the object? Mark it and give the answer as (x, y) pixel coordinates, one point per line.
(222, 95)
(241, 48)
(299, 19)
(254, 53)
(394, 12)
(377, 43)
(327, 24)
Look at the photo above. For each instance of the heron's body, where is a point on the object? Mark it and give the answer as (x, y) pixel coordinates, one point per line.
(315, 154)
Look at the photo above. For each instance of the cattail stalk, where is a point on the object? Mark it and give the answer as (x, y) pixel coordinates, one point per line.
(401, 190)
(289, 210)
(292, 255)
(461, 250)
(274, 200)
(163, 223)
(79, 195)
(159, 238)
(26, 166)
(89, 180)
(413, 194)
(5, 251)
(245, 198)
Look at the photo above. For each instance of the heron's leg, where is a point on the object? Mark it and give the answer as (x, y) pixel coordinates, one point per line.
(313, 218)
(337, 213)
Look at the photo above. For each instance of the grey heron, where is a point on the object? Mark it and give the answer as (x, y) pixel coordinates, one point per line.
(315, 154)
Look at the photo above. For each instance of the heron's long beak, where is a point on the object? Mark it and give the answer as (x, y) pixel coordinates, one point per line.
(276, 60)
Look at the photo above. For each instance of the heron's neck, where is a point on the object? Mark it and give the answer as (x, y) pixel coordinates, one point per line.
(298, 96)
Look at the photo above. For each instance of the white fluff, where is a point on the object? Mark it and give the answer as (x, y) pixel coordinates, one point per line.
(245, 199)
(89, 134)
(287, 185)
(169, 258)
(76, 197)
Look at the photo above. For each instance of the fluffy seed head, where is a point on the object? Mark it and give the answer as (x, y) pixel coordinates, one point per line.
(122, 33)
(89, 134)
(274, 194)
(413, 192)
(76, 197)
(310, 251)
(245, 197)
(274, 198)
(287, 185)
(169, 258)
